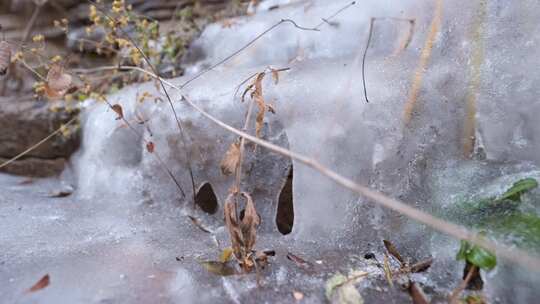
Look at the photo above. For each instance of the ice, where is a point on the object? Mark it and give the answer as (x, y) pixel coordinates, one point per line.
(124, 236)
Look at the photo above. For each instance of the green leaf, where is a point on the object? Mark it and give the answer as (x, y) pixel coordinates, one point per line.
(463, 249)
(518, 188)
(477, 256)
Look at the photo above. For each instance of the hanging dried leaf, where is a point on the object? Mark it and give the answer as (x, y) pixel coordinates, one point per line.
(249, 223)
(42, 283)
(5, 57)
(259, 100)
(58, 82)
(231, 159)
(118, 110)
(392, 250)
(235, 233)
(150, 147)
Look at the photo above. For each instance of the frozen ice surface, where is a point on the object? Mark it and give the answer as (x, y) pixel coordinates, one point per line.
(124, 237)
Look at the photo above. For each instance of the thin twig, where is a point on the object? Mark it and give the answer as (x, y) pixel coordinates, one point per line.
(327, 19)
(178, 123)
(425, 54)
(371, 22)
(57, 131)
(242, 144)
(515, 255)
(155, 153)
(259, 36)
(30, 24)
(454, 297)
(475, 74)
(370, 34)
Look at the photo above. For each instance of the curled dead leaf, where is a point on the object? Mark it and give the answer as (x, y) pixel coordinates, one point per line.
(118, 110)
(259, 100)
(150, 147)
(237, 242)
(5, 57)
(249, 223)
(231, 159)
(42, 283)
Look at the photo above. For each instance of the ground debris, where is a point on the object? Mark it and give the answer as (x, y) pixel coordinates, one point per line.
(42, 283)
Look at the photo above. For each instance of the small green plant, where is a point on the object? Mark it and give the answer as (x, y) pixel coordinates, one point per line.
(476, 255)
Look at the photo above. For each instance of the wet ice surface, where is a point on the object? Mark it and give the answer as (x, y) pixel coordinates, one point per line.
(124, 236)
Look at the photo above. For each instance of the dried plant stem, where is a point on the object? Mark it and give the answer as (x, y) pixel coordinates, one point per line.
(477, 58)
(238, 171)
(178, 122)
(370, 34)
(31, 69)
(515, 255)
(424, 59)
(371, 22)
(56, 132)
(259, 36)
(454, 297)
(155, 153)
(30, 24)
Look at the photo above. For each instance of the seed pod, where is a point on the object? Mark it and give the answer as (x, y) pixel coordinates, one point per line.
(5, 57)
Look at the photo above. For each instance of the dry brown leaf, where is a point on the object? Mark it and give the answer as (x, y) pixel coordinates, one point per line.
(231, 159)
(235, 233)
(249, 223)
(118, 110)
(58, 82)
(421, 266)
(150, 147)
(5, 57)
(392, 250)
(259, 99)
(42, 283)
(299, 261)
